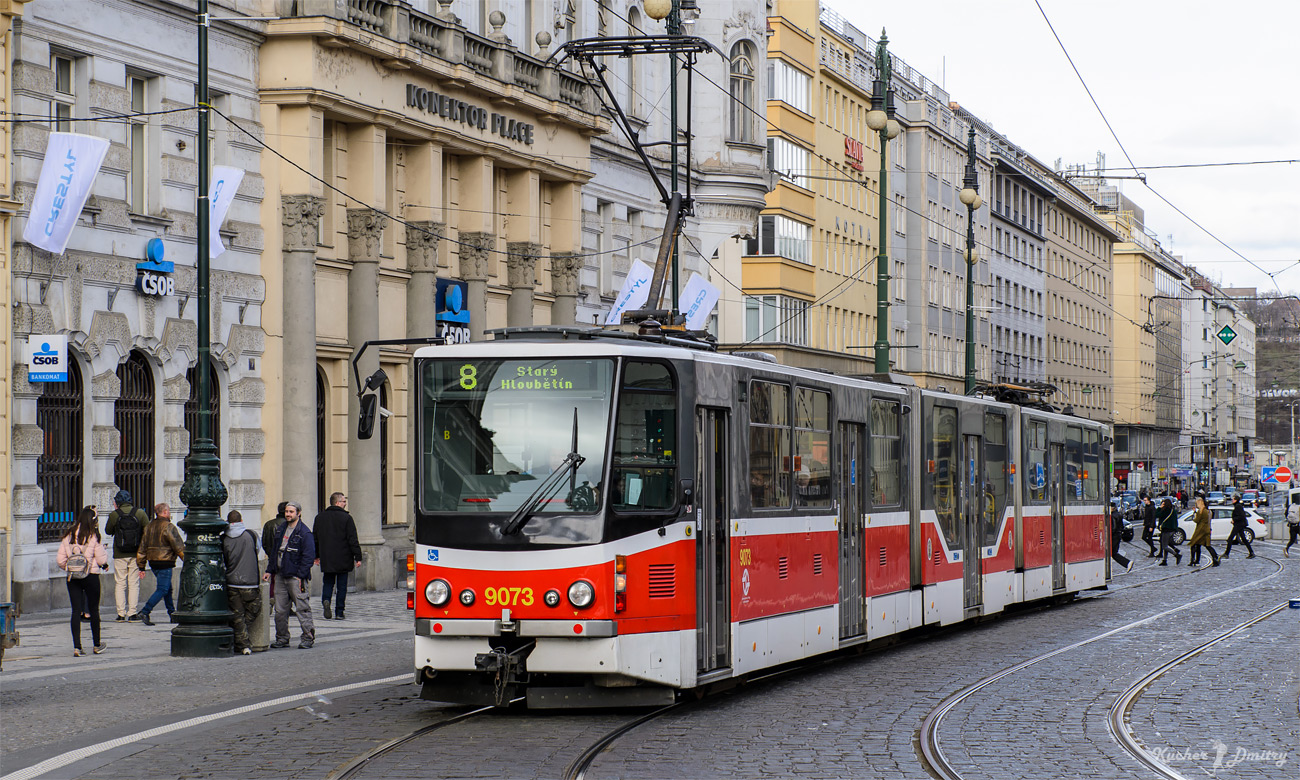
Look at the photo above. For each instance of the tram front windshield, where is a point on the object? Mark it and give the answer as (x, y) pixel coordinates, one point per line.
(493, 431)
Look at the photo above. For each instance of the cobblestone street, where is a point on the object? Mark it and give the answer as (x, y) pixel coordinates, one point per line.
(1229, 712)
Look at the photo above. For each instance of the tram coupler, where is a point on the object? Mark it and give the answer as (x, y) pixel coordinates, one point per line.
(507, 668)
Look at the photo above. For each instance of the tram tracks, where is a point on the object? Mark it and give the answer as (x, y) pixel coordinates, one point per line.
(936, 761)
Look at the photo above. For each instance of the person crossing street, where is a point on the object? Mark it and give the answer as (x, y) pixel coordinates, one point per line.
(1238, 535)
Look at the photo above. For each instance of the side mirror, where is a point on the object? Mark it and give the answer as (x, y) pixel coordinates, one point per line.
(366, 417)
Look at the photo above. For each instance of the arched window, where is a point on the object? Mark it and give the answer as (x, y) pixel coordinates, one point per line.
(214, 403)
(133, 416)
(383, 456)
(321, 444)
(742, 93)
(60, 412)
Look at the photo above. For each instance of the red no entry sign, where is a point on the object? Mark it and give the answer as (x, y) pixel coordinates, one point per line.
(1282, 475)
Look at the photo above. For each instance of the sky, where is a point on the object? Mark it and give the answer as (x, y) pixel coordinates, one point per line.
(1186, 83)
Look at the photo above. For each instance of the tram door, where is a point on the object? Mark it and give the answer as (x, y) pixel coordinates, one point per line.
(713, 608)
(1056, 468)
(972, 508)
(852, 440)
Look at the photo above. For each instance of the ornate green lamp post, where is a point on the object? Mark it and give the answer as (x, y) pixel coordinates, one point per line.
(203, 612)
(881, 119)
(970, 195)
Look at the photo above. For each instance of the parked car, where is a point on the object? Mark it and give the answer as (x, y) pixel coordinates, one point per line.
(1220, 524)
(1215, 497)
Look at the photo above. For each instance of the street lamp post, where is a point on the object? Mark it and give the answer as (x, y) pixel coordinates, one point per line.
(881, 119)
(970, 195)
(203, 613)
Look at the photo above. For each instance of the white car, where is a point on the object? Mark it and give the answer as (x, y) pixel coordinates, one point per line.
(1220, 524)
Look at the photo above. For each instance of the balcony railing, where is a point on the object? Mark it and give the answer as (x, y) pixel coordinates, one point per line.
(441, 36)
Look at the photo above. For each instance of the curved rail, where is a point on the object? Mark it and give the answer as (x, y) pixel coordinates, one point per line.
(932, 754)
(1118, 721)
(578, 769)
(354, 767)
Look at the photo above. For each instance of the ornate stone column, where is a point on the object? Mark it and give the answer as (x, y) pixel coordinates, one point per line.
(422, 239)
(301, 219)
(521, 271)
(365, 231)
(566, 273)
(474, 268)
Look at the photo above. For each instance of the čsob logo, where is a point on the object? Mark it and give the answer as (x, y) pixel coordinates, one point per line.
(46, 356)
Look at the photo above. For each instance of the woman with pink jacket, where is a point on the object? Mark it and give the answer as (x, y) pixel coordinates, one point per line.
(83, 539)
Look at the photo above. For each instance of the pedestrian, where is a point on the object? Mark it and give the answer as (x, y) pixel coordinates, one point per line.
(1292, 524)
(290, 569)
(1116, 532)
(126, 525)
(161, 547)
(1167, 520)
(268, 539)
(239, 543)
(82, 555)
(338, 550)
(1239, 523)
(1201, 536)
(1149, 525)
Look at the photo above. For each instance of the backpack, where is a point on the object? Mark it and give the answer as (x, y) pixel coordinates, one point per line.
(128, 532)
(78, 566)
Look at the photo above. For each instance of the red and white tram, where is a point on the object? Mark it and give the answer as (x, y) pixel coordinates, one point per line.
(606, 519)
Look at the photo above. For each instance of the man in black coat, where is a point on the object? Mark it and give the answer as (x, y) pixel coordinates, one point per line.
(1239, 523)
(339, 551)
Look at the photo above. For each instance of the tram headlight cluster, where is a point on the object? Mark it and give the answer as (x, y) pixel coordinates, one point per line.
(581, 594)
(438, 593)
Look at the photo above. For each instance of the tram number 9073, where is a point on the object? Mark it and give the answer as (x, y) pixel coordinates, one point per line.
(508, 597)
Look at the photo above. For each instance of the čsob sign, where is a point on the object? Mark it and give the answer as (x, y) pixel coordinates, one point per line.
(154, 276)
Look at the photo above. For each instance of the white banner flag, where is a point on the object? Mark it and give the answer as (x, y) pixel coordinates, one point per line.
(71, 164)
(221, 193)
(698, 299)
(635, 292)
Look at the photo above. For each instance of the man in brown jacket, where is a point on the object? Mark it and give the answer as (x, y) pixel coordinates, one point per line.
(161, 546)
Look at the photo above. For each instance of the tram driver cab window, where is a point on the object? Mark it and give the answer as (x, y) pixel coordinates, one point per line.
(644, 473)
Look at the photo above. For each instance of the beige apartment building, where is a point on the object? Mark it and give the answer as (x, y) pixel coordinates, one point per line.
(415, 172)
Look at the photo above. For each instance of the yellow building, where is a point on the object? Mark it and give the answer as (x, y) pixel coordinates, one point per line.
(406, 157)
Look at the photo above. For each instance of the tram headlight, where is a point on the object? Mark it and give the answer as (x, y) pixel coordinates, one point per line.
(467, 597)
(438, 593)
(552, 598)
(581, 594)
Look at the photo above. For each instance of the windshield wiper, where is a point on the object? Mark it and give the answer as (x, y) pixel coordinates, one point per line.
(567, 466)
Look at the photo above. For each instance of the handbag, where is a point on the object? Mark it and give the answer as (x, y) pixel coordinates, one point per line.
(78, 566)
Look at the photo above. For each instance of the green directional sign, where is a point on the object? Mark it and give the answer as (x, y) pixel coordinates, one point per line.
(1226, 334)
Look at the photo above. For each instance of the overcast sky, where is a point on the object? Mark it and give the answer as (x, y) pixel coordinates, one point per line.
(1191, 82)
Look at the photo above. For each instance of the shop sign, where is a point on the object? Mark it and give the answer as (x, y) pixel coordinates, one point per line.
(853, 151)
(154, 276)
(48, 359)
(451, 312)
(468, 114)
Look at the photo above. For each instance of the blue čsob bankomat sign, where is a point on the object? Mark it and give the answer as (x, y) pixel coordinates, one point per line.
(452, 311)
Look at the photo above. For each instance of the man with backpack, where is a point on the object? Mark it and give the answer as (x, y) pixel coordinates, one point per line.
(126, 525)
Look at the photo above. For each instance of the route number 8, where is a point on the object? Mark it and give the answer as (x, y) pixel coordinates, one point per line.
(468, 376)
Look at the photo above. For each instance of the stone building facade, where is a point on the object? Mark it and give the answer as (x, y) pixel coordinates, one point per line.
(125, 417)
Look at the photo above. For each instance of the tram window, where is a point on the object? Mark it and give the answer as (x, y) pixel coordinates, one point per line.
(769, 445)
(942, 472)
(812, 462)
(494, 430)
(1092, 467)
(1035, 478)
(996, 476)
(1074, 464)
(644, 473)
(886, 454)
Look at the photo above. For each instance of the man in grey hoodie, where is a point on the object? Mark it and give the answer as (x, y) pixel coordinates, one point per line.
(242, 579)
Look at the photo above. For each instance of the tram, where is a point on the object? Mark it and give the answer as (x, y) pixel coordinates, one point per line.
(609, 519)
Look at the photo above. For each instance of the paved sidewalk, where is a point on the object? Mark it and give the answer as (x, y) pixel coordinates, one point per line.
(46, 637)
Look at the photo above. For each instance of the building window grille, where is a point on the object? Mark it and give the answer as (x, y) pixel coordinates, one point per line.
(192, 405)
(384, 438)
(60, 415)
(133, 416)
(321, 443)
